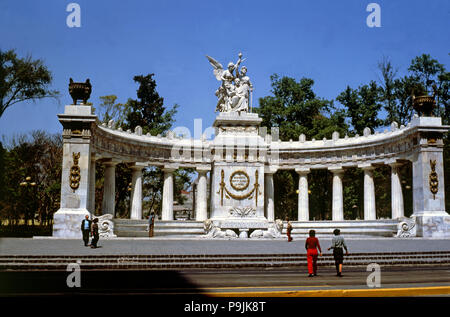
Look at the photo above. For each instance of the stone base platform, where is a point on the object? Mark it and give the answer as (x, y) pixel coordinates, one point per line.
(348, 228)
(138, 228)
(194, 229)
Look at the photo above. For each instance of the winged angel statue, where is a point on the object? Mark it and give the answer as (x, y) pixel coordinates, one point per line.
(235, 90)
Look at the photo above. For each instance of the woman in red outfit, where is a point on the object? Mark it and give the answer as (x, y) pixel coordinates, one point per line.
(311, 245)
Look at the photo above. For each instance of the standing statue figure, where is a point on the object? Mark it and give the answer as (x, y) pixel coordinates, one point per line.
(234, 92)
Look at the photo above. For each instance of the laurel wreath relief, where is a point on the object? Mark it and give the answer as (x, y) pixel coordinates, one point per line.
(223, 189)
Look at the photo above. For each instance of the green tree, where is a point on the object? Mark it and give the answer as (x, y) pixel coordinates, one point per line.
(362, 106)
(295, 109)
(149, 112)
(110, 110)
(22, 79)
(425, 70)
(39, 157)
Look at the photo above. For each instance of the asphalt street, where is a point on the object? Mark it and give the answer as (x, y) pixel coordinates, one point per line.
(242, 282)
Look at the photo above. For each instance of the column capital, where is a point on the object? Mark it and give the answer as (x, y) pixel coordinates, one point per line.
(366, 167)
(394, 164)
(337, 170)
(109, 162)
(302, 170)
(138, 166)
(270, 169)
(203, 168)
(169, 168)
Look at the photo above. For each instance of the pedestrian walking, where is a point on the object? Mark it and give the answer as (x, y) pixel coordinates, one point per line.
(94, 233)
(289, 229)
(151, 224)
(338, 245)
(312, 245)
(86, 229)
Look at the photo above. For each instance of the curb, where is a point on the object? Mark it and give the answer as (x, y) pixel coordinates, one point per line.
(380, 292)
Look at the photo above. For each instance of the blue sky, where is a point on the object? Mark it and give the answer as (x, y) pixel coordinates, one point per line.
(327, 41)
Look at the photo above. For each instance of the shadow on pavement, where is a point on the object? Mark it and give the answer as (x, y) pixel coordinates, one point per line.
(14, 283)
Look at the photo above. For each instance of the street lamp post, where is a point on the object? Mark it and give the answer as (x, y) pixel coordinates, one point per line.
(28, 184)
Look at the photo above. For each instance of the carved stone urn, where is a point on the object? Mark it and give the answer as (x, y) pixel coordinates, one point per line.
(424, 105)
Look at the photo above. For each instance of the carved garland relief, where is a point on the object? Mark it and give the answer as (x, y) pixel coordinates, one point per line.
(75, 172)
(433, 179)
(239, 181)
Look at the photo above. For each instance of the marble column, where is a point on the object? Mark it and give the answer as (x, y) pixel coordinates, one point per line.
(92, 185)
(303, 199)
(136, 193)
(201, 208)
(338, 195)
(396, 192)
(369, 193)
(269, 194)
(167, 201)
(109, 189)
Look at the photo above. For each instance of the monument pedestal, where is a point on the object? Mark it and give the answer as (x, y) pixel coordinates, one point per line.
(76, 169)
(237, 175)
(433, 226)
(428, 180)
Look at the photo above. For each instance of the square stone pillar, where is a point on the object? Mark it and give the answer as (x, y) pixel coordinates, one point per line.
(76, 171)
(428, 179)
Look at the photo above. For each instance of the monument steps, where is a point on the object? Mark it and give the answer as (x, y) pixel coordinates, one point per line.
(173, 261)
(349, 228)
(194, 229)
(138, 228)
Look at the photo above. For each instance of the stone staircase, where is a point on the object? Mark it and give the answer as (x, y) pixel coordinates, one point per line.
(213, 261)
(138, 228)
(348, 228)
(194, 229)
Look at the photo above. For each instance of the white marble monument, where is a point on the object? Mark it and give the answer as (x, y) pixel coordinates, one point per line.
(241, 161)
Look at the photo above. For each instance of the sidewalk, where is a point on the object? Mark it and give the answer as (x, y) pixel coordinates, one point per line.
(164, 246)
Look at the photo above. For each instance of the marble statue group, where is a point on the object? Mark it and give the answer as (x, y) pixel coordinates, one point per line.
(234, 94)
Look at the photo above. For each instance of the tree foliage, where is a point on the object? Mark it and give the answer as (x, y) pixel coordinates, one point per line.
(362, 106)
(22, 79)
(37, 156)
(295, 109)
(149, 112)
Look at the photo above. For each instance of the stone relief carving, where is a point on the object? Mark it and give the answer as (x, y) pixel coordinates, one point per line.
(223, 189)
(106, 226)
(75, 172)
(433, 179)
(274, 231)
(406, 228)
(212, 231)
(242, 212)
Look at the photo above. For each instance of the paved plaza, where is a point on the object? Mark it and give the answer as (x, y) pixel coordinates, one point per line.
(144, 246)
